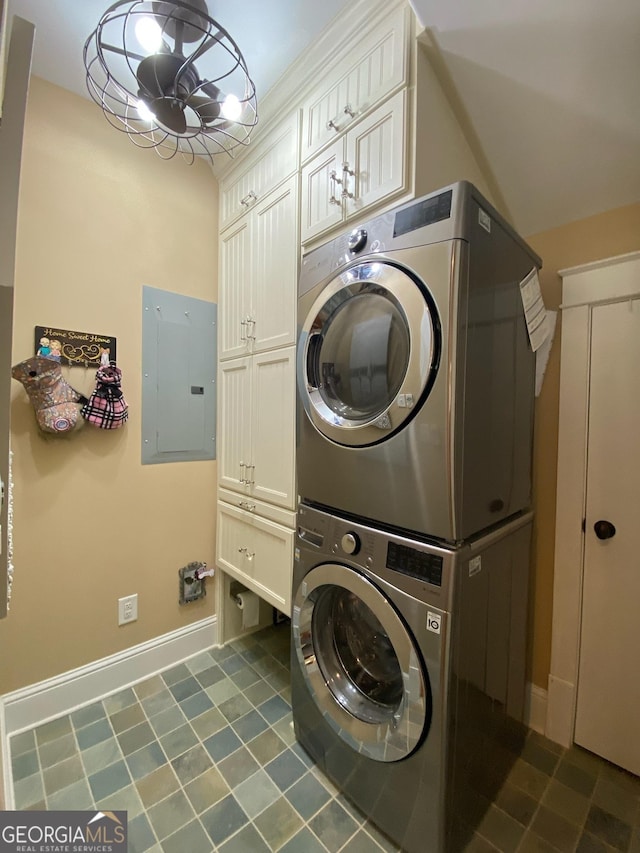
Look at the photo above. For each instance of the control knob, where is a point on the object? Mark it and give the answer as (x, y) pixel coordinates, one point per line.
(350, 543)
(357, 240)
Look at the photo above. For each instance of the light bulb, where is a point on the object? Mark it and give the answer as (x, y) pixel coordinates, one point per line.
(144, 112)
(149, 34)
(231, 108)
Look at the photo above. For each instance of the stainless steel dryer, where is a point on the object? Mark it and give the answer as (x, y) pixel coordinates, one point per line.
(408, 671)
(415, 374)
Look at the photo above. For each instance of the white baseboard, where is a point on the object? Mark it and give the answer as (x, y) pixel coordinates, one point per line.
(37, 703)
(562, 710)
(536, 708)
(46, 700)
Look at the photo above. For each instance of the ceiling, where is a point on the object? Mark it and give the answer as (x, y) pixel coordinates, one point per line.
(551, 91)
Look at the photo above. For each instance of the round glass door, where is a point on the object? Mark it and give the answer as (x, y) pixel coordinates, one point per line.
(360, 663)
(369, 345)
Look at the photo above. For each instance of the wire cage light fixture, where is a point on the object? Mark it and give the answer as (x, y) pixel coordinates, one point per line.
(171, 77)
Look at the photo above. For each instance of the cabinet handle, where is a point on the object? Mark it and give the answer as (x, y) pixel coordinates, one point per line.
(333, 124)
(242, 550)
(243, 337)
(250, 556)
(334, 179)
(247, 199)
(252, 322)
(242, 479)
(346, 174)
(251, 481)
(248, 506)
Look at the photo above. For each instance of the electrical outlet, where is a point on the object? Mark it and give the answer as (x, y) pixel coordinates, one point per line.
(127, 609)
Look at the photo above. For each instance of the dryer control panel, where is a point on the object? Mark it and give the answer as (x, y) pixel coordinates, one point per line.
(415, 563)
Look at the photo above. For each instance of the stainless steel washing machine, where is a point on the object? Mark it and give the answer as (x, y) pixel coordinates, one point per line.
(408, 668)
(414, 370)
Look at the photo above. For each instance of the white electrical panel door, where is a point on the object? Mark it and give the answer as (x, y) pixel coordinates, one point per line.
(179, 342)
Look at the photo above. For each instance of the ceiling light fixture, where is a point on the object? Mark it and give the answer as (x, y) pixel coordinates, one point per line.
(171, 77)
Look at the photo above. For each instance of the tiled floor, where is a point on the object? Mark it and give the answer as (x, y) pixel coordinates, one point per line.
(203, 758)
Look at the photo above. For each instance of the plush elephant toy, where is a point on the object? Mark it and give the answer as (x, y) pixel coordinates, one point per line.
(55, 402)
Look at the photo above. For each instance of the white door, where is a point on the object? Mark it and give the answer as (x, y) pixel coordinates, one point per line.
(609, 670)
(375, 165)
(276, 269)
(272, 472)
(236, 270)
(234, 428)
(321, 205)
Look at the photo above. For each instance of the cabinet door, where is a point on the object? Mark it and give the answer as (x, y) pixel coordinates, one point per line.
(236, 265)
(321, 204)
(376, 154)
(276, 269)
(274, 158)
(273, 427)
(378, 66)
(258, 553)
(271, 566)
(233, 537)
(234, 423)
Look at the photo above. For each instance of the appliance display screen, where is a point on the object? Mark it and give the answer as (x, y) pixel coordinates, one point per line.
(423, 213)
(416, 564)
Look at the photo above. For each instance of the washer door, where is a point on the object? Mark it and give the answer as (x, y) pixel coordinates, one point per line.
(368, 353)
(360, 663)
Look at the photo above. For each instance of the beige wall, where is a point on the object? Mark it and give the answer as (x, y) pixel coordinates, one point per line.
(98, 219)
(606, 235)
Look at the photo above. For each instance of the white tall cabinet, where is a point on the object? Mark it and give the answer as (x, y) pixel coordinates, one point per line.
(359, 124)
(259, 251)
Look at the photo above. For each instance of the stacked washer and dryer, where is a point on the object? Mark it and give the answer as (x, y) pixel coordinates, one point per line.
(415, 422)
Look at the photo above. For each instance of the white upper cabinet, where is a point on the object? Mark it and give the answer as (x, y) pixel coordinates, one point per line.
(246, 185)
(258, 273)
(371, 69)
(364, 168)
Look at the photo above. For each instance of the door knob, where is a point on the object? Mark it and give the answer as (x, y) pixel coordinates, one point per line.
(604, 529)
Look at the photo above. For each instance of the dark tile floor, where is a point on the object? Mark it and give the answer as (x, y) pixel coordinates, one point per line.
(203, 758)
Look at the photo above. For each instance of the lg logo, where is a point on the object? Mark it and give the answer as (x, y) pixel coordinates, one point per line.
(434, 622)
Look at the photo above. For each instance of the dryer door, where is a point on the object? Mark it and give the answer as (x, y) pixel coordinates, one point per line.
(368, 353)
(360, 663)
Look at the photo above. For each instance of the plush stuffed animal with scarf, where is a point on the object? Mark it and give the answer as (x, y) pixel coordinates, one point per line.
(54, 400)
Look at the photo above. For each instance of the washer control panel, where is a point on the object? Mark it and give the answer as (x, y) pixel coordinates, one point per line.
(419, 568)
